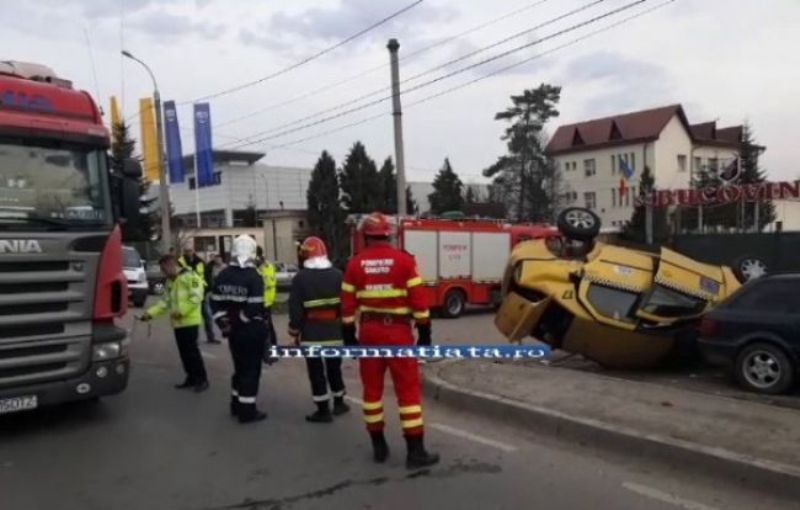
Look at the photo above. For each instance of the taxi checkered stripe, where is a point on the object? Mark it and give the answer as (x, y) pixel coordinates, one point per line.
(615, 284)
(686, 290)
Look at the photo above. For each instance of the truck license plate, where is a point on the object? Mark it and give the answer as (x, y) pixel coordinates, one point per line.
(12, 405)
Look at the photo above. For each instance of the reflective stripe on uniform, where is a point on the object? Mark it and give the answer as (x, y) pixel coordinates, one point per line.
(382, 293)
(338, 393)
(321, 398)
(323, 342)
(422, 315)
(373, 418)
(349, 320)
(410, 424)
(369, 406)
(259, 299)
(346, 287)
(417, 280)
(314, 303)
(234, 393)
(410, 409)
(403, 310)
(247, 400)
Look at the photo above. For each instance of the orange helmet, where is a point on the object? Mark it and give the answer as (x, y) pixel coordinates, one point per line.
(313, 247)
(376, 225)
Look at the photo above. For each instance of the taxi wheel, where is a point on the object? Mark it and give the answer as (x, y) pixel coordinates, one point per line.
(749, 268)
(579, 223)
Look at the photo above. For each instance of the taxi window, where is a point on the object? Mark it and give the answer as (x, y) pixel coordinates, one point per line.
(665, 302)
(612, 303)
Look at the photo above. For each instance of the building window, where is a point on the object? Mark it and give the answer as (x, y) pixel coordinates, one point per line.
(217, 180)
(589, 167)
(698, 164)
(631, 193)
(633, 161)
(713, 164)
(681, 162)
(590, 200)
(613, 164)
(613, 197)
(192, 184)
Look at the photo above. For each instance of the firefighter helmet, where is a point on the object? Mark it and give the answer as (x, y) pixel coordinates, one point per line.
(376, 225)
(313, 247)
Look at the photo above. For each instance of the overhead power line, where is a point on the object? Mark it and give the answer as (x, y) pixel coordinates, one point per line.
(403, 58)
(445, 76)
(471, 82)
(461, 58)
(308, 59)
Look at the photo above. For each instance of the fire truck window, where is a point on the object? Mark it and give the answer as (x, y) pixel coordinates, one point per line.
(612, 303)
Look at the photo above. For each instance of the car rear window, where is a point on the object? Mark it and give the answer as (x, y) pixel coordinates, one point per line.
(612, 303)
(665, 302)
(130, 258)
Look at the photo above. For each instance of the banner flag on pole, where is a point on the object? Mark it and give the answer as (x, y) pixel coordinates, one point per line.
(174, 147)
(203, 147)
(149, 139)
(116, 113)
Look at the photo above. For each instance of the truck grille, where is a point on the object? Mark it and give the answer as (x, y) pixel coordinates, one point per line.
(45, 318)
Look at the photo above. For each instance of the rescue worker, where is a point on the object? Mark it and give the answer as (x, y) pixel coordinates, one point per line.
(267, 271)
(382, 284)
(183, 300)
(190, 260)
(237, 301)
(315, 319)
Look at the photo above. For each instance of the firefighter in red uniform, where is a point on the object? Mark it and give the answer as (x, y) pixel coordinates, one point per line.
(382, 284)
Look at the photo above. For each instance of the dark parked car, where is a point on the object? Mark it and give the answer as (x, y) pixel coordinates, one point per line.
(757, 332)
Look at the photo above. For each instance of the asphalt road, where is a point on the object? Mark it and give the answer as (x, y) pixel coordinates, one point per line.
(154, 447)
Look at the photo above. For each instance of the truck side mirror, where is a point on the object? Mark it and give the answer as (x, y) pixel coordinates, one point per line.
(132, 169)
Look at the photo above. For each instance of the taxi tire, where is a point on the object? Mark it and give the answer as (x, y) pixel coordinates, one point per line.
(586, 231)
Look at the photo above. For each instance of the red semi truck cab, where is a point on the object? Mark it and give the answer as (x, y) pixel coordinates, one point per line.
(61, 280)
(461, 261)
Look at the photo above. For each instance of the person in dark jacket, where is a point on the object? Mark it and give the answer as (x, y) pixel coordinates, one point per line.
(237, 301)
(315, 319)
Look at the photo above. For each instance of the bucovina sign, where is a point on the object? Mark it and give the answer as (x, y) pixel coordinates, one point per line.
(717, 195)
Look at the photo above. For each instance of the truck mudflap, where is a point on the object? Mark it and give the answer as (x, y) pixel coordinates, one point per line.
(103, 378)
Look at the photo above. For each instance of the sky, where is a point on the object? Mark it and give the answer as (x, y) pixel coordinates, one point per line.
(733, 61)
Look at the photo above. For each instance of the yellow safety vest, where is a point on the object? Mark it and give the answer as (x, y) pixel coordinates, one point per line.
(183, 295)
(267, 271)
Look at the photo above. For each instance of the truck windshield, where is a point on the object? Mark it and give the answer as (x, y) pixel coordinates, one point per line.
(46, 184)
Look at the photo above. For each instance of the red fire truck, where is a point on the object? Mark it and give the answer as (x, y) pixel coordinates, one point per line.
(460, 260)
(61, 279)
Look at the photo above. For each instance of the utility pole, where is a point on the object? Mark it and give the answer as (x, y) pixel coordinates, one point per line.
(397, 113)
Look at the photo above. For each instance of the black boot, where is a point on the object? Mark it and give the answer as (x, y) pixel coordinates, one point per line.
(322, 414)
(417, 456)
(251, 416)
(380, 450)
(339, 406)
(185, 385)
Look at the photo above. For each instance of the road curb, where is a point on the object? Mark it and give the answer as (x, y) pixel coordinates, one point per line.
(774, 475)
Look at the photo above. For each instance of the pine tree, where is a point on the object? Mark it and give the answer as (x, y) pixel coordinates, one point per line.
(635, 230)
(447, 194)
(388, 187)
(360, 182)
(753, 174)
(122, 149)
(526, 176)
(325, 216)
(411, 205)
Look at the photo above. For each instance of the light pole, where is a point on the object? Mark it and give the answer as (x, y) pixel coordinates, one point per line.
(163, 198)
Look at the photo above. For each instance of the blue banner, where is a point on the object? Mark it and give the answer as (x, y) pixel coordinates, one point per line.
(508, 352)
(203, 147)
(172, 134)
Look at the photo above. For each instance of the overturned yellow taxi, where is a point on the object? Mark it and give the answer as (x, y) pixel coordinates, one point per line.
(620, 307)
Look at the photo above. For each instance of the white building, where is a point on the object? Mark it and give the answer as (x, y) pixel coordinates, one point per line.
(588, 155)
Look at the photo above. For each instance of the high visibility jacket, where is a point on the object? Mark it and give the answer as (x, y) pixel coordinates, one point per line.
(183, 295)
(315, 305)
(267, 271)
(383, 280)
(196, 265)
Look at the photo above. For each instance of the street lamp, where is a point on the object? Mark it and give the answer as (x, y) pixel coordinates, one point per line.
(166, 231)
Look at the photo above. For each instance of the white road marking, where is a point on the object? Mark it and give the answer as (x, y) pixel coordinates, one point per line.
(455, 431)
(664, 497)
(473, 437)
(208, 355)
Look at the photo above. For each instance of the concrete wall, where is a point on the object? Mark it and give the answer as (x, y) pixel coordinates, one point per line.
(788, 212)
(673, 141)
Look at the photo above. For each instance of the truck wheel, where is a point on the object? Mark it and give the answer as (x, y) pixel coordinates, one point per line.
(578, 223)
(157, 288)
(748, 267)
(454, 303)
(764, 368)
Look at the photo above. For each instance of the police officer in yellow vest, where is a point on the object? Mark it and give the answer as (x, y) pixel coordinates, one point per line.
(267, 271)
(183, 301)
(189, 259)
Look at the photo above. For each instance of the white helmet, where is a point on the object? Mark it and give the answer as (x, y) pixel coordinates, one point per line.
(244, 250)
